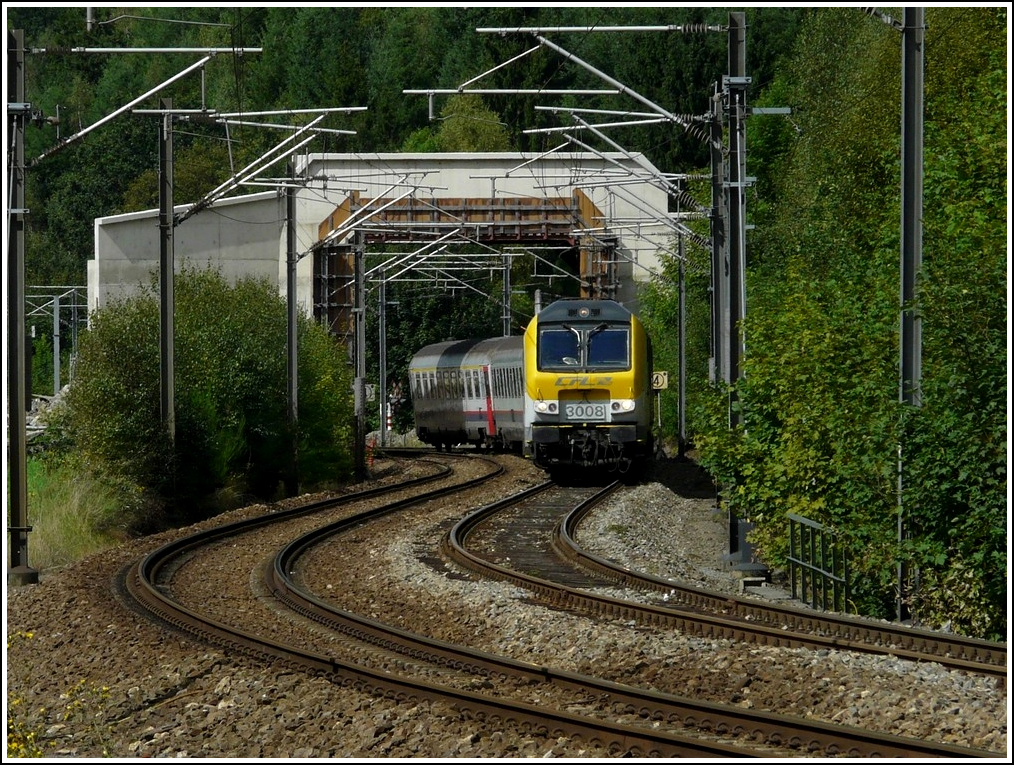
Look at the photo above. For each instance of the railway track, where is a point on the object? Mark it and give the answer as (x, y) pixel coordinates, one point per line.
(530, 543)
(152, 583)
(534, 546)
(612, 716)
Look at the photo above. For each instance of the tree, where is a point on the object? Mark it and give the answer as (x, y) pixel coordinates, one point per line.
(819, 394)
(231, 419)
(466, 125)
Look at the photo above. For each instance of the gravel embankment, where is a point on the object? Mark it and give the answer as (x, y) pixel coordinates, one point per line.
(112, 684)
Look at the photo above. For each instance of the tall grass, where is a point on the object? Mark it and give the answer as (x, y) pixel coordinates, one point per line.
(66, 513)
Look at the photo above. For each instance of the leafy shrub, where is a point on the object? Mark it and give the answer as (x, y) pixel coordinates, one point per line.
(231, 403)
(821, 428)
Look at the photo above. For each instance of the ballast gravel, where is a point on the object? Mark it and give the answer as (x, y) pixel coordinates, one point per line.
(93, 678)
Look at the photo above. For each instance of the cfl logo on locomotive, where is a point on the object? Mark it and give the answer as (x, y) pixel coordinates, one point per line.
(572, 381)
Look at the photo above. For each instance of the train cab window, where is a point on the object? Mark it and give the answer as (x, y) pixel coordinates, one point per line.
(608, 348)
(559, 349)
(572, 348)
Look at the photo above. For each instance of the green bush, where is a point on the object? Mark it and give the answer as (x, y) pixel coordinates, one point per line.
(822, 425)
(231, 403)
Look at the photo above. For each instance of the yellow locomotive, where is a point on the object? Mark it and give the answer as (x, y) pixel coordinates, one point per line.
(588, 394)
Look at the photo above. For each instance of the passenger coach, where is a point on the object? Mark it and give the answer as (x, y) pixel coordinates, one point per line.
(469, 391)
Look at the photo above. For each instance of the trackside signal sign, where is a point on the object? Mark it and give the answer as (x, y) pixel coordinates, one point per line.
(659, 380)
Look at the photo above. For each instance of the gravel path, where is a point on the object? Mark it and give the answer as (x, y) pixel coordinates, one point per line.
(112, 684)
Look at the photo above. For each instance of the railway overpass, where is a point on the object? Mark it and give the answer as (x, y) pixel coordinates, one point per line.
(605, 215)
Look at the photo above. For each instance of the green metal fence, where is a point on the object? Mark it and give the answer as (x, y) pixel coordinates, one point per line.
(818, 569)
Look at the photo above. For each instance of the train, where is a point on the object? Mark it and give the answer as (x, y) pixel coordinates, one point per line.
(574, 392)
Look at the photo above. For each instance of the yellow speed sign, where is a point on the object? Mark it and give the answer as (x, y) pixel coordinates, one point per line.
(659, 380)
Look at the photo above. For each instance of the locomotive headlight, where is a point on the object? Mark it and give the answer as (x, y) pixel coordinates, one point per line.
(545, 407)
(623, 405)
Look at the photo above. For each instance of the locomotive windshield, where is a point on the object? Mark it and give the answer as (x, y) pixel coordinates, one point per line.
(570, 348)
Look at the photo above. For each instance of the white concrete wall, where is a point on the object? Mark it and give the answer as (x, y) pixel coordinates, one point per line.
(240, 237)
(245, 236)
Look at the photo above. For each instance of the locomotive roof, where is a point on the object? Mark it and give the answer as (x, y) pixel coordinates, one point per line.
(602, 310)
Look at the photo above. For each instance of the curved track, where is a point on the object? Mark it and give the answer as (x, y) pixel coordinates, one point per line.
(517, 541)
(150, 584)
(521, 551)
(616, 717)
